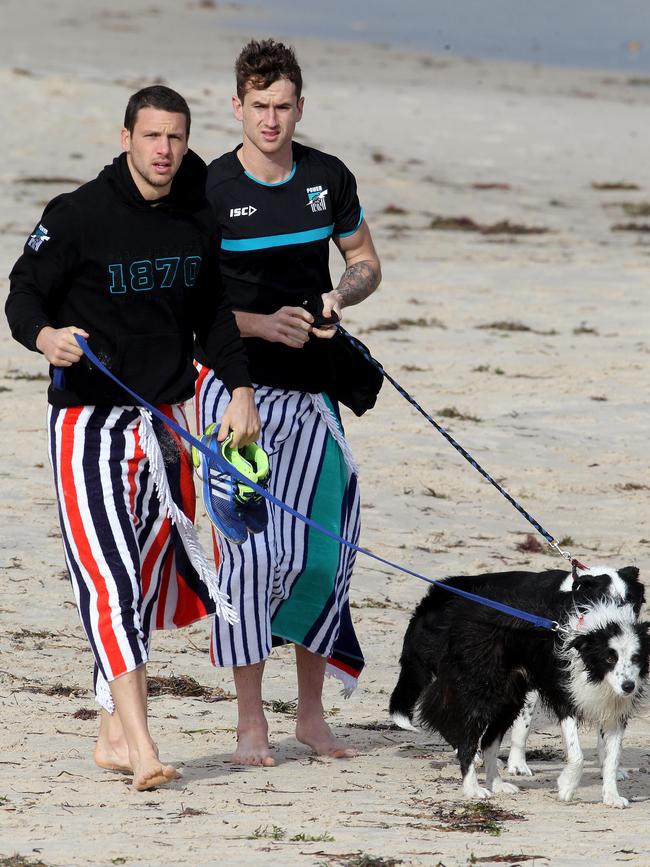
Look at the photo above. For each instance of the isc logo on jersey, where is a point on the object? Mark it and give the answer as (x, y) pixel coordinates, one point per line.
(246, 211)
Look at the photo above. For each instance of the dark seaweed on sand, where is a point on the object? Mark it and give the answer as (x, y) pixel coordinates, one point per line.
(85, 713)
(452, 412)
(490, 185)
(480, 817)
(394, 209)
(20, 861)
(613, 185)
(507, 325)
(636, 209)
(501, 227)
(185, 687)
(47, 179)
(631, 227)
(404, 322)
(531, 545)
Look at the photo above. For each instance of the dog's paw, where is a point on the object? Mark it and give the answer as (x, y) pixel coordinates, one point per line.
(476, 793)
(615, 800)
(519, 768)
(568, 781)
(566, 789)
(500, 787)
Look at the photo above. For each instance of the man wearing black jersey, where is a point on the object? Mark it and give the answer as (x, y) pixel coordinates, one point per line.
(278, 204)
(127, 261)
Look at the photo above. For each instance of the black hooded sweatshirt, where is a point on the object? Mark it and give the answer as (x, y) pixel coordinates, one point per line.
(139, 277)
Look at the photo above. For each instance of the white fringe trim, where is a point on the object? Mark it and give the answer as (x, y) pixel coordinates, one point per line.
(333, 427)
(186, 529)
(103, 695)
(348, 683)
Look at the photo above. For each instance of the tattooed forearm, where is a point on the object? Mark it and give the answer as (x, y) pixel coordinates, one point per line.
(357, 283)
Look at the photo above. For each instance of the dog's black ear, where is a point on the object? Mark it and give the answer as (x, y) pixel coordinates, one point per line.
(591, 584)
(644, 626)
(635, 591)
(578, 643)
(629, 573)
(637, 597)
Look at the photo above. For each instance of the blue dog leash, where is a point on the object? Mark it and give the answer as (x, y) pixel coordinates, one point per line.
(550, 539)
(224, 466)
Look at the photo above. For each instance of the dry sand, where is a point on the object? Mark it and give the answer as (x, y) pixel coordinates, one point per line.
(558, 412)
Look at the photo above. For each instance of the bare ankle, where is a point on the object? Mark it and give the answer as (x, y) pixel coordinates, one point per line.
(256, 724)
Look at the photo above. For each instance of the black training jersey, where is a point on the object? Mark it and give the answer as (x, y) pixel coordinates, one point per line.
(275, 250)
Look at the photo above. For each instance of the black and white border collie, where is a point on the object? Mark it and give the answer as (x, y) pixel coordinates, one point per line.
(623, 587)
(467, 669)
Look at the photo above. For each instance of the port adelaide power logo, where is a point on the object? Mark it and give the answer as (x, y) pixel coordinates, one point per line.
(39, 237)
(316, 199)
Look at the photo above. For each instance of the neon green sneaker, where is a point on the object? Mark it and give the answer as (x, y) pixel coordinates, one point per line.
(219, 488)
(233, 506)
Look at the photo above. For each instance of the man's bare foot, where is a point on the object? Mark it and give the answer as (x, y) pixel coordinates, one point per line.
(111, 752)
(149, 772)
(154, 774)
(318, 735)
(253, 746)
(111, 760)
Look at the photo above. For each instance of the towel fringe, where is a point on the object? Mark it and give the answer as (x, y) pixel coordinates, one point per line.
(348, 682)
(334, 428)
(103, 694)
(185, 527)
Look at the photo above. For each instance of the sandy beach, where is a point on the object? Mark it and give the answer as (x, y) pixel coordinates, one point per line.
(510, 205)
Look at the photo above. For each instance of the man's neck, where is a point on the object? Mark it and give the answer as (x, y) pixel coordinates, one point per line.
(271, 169)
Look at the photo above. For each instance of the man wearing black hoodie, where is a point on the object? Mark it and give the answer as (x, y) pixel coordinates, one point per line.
(127, 262)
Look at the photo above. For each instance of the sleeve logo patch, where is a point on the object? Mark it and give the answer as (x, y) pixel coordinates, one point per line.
(40, 235)
(316, 199)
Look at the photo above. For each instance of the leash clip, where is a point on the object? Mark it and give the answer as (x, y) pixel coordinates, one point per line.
(575, 564)
(566, 554)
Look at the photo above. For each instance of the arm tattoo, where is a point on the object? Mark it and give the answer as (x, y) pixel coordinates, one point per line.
(357, 283)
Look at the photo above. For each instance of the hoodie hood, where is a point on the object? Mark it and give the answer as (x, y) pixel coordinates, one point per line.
(187, 191)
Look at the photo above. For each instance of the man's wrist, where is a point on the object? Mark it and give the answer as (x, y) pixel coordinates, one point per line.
(248, 323)
(336, 297)
(40, 332)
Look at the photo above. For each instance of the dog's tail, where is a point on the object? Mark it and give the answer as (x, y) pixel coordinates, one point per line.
(404, 699)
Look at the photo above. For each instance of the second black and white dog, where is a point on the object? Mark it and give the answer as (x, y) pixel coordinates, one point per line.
(466, 669)
(622, 586)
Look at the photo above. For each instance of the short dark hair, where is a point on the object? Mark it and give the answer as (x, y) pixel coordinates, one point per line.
(260, 64)
(160, 97)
